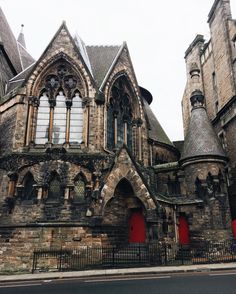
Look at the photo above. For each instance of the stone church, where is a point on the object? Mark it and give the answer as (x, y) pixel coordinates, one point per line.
(84, 160)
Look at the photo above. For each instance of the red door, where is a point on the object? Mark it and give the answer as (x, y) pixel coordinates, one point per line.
(234, 227)
(183, 231)
(137, 230)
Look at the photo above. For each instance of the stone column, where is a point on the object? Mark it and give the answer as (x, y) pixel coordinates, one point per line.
(52, 103)
(29, 121)
(139, 124)
(12, 184)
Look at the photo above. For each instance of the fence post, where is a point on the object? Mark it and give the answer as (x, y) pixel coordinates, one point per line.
(165, 252)
(34, 262)
(113, 256)
(182, 254)
(60, 260)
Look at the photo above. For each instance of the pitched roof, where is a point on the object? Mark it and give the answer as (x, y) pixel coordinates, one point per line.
(9, 42)
(201, 139)
(25, 58)
(101, 59)
(156, 131)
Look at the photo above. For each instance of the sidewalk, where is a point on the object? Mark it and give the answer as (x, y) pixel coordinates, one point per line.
(123, 271)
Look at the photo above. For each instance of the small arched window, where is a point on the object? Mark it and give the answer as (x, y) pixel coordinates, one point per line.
(79, 189)
(29, 192)
(55, 191)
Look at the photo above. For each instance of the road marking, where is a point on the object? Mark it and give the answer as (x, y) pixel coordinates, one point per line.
(127, 279)
(19, 285)
(222, 274)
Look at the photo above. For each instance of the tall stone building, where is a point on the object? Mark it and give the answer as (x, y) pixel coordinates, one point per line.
(84, 161)
(211, 68)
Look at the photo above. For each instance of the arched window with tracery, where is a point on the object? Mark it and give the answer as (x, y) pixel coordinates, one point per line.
(55, 190)
(59, 115)
(120, 115)
(29, 191)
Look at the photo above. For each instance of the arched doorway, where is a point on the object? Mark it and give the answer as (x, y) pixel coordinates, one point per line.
(137, 228)
(124, 215)
(183, 231)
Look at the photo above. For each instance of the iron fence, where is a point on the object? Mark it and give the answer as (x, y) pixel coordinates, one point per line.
(153, 254)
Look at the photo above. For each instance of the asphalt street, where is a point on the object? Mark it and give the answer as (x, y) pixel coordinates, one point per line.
(194, 283)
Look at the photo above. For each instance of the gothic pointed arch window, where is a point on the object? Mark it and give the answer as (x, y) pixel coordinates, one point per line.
(79, 189)
(55, 190)
(120, 115)
(58, 117)
(29, 190)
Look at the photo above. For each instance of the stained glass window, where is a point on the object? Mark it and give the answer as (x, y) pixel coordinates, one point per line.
(79, 190)
(55, 190)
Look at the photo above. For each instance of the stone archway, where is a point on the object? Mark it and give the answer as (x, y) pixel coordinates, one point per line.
(124, 168)
(120, 209)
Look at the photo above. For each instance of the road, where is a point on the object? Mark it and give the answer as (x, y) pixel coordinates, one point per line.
(194, 283)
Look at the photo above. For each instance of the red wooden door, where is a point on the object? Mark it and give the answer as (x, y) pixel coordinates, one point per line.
(137, 230)
(234, 228)
(183, 231)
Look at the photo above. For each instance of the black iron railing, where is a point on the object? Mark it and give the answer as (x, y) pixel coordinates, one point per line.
(153, 254)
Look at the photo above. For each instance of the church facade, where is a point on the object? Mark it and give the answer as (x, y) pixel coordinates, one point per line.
(84, 161)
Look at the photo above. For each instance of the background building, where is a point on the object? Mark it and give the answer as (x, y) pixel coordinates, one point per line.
(84, 161)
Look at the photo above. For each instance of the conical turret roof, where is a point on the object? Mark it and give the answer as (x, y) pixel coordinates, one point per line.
(201, 139)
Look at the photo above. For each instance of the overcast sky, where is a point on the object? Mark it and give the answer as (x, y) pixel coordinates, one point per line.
(157, 33)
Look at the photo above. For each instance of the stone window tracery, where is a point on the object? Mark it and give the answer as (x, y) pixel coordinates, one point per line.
(119, 115)
(59, 115)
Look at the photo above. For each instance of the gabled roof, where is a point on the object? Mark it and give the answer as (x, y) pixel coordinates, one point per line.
(9, 43)
(101, 59)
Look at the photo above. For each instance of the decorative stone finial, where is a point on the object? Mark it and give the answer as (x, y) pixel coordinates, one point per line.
(194, 70)
(197, 99)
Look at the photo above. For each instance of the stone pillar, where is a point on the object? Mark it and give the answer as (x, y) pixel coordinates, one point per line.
(139, 124)
(12, 184)
(30, 120)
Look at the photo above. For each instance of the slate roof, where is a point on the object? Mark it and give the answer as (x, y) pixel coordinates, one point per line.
(155, 131)
(101, 59)
(25, 57)
(9, 42)
(18, 80)
(201, 139)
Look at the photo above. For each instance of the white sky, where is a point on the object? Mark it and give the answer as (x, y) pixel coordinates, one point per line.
(157, 33)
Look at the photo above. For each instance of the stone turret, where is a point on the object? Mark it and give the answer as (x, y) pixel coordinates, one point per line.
(201, 142)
